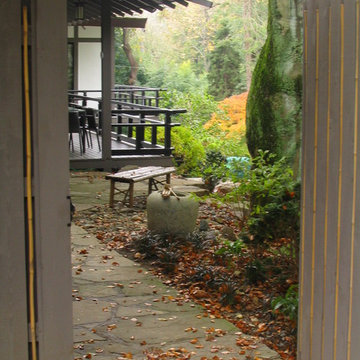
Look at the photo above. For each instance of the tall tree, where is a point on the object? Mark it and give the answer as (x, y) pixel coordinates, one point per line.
(130, 56)
(224, 74)
(247, 21)
(122, 66)
(274, 104)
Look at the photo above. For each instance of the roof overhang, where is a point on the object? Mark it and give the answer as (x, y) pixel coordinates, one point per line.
(122, 8)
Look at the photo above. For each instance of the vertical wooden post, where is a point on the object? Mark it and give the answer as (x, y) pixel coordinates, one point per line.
(106, 72)
(167, 133)
(76, 57)
(131, 194)
(52, 208)
(154, 135)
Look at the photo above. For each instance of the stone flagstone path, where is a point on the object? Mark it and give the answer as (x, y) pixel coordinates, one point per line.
(121, 311)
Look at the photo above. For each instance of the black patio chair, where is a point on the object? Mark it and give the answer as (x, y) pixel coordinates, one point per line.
(75, 128)
(84, 126)
(92, 125)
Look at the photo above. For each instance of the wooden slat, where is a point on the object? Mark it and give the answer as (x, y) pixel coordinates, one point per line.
(320, 175)
(347, 100)
(308, 181)
(354, 345)
(13, 292)
(140, 174)
(141, 152)
(125, 4)
(323, 178)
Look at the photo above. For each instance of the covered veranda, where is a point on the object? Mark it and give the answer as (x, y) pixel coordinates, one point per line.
(144, 136)
(140, 129)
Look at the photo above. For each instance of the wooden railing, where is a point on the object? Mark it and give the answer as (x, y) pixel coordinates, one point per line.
(132, 94)
(131, 116)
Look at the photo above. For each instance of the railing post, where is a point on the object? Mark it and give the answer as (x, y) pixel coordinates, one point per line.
(157, 98)
(143, 97)
(119, 120)
(84, 102)
(154, 134)
(140, 130)
(100, 117)
(130, 128)
(167, 149)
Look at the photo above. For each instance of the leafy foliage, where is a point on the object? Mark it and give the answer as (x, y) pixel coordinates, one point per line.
(199, 106)
(255, 271)
(288, 304)
(213, 168)
(188, 151)
(122, 66)
(177, 46)
(231, 117)
(200, 109)
(231, 247)
(273, 196)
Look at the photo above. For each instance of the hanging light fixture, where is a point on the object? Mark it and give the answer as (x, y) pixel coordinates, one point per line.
(79, 11)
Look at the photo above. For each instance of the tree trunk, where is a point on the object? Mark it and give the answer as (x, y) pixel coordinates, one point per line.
(130, 56)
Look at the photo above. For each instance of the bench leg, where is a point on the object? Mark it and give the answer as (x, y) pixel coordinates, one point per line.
(112, 191)
(150, 186)
(131, 194)
(168, 178)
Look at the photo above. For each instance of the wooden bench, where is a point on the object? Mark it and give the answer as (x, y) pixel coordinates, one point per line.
(132, 176)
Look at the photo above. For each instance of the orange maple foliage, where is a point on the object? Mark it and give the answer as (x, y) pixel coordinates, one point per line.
(232, 115)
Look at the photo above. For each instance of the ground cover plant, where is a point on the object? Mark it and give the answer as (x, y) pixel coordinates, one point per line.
(234, 264)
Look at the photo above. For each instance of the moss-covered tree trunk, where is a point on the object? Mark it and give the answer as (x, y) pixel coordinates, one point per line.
(274, 113)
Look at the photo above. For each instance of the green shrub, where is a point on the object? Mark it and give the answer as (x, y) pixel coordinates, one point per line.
(255, 271)
(288, 304)
(200, 106)
(188, 151)
(273, 197)
(213, 168)
(231, 247)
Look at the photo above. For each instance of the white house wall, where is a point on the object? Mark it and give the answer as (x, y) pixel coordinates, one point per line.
(89, 65)
(90, 32)
(88, 59)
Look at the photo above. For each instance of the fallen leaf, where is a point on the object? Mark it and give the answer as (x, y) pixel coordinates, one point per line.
(111, 327)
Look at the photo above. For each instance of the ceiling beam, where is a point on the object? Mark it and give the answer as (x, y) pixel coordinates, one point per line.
(169, 4)
(153, 4)
(119, 5)
(119, 22)
(205, 3)
(182, 2)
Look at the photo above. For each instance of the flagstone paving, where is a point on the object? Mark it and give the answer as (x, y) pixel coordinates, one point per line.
(122, 311)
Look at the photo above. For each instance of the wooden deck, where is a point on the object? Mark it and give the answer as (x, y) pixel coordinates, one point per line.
(92, 158)
(94, 153)
(140, 133)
